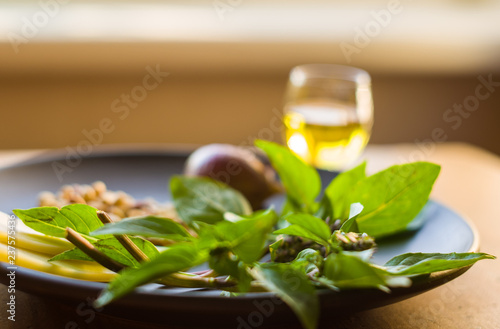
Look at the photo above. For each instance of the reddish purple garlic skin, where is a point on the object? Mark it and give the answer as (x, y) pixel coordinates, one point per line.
(237, 167)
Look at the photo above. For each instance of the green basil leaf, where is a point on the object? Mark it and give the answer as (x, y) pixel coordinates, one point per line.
(391, 198)
(327, 283)
(299, 231)
(310, 255)
(148, 226)
(349, 272)
(232, 217)
(351, 225)
(223, 262)
(244, 278)
(293, 287)
(309, 260)
(325, 208)
(206, 200)
(290, 207)
(364, 255)
(112, 248)
(301, 181)
(208, 237)
(273, 248)
(247, 237)
(307, 226)
(424, 263)
(338, 187)
(176, 258)
(53, 221)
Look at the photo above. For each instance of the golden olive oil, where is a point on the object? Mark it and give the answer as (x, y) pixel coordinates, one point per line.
(328, 136)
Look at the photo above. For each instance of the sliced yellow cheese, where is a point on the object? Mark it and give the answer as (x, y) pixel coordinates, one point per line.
(82, 270)
(42, 244)
(28, 239)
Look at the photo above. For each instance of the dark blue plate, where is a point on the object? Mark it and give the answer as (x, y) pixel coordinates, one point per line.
(145, 174)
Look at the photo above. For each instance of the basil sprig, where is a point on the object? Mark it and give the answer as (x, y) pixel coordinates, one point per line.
(221, 229)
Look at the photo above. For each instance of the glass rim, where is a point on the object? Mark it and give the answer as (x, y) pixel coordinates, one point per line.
(301, 73)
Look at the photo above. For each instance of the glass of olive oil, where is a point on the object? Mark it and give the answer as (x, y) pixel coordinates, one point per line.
(328, 114)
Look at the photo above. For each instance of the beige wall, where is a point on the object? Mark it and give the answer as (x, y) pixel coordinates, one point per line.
(40, 110)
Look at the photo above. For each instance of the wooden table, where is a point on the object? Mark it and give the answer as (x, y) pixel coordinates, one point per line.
(469, 183)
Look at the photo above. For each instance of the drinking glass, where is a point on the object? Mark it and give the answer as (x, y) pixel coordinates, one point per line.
(328, 114)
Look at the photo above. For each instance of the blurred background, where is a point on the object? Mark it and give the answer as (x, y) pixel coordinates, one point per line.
(197, 72)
